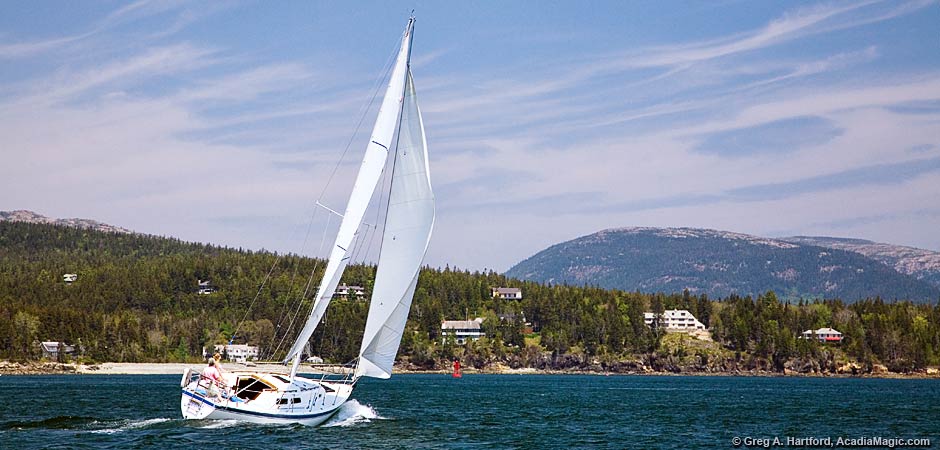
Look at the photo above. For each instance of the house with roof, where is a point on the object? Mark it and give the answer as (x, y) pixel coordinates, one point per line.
(53, 349)
(674, 320)
(344, 291)
(507, 293)
(238, 352)
(512, 317)
(463, 330)
(823, 335)
(205, 287)
(69, 277)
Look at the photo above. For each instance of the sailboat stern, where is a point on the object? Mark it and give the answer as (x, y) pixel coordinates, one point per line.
(195, 406)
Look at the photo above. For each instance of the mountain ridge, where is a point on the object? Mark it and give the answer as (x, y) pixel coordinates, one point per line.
(23, 215)
(921, 263)
(718, 263)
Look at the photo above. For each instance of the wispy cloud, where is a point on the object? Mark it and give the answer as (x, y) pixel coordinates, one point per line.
(132, 12)
(786, 135)
(880, 174)
(26, 49)
(145, 116)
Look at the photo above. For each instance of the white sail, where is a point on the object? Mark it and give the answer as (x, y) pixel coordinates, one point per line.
(369, 173)
(408, 227)
(410, 217)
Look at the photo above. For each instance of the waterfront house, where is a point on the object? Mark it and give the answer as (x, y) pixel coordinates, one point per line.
(674, 320)
(823, 335)
(463, 330)
(238, 352)
(507, 293)
(53, 350)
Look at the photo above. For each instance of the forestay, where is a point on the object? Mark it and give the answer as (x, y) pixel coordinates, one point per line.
(369, 173)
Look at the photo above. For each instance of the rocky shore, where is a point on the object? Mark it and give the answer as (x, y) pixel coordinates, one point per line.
(50, 368)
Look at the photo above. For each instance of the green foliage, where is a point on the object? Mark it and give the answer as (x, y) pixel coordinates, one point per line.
(136, 300)
(902, 335)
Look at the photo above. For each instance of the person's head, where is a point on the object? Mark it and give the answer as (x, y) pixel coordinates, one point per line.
(211, 362)
(216, 356)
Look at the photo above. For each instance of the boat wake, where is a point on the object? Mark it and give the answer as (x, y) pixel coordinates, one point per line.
(52, 423)
(352, 413)
(125, 425)
(88, 424)
(215, 424)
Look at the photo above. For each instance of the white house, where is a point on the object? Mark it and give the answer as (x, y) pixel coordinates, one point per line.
(238, 352)
(205, 287)
(507, 293)
(69, 277)
(462, 330)
(345, 291)
(675, 320)
(823, 335)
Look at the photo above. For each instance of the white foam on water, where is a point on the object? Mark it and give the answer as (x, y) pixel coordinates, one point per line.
(131, 425)
(225, 423)
(351, 413)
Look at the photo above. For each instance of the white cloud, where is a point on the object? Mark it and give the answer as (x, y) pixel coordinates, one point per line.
(193, 139)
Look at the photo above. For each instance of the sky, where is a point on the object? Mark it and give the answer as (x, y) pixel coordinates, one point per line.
(221, 122)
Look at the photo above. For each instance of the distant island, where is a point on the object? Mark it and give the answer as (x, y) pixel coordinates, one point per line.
(110, 296)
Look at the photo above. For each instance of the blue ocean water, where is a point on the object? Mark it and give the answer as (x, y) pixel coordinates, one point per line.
(480, 411)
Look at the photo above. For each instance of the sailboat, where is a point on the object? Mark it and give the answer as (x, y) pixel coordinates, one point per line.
(274, 397)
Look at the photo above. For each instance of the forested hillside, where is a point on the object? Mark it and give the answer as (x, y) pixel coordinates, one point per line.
(136, 300)
(718, 263)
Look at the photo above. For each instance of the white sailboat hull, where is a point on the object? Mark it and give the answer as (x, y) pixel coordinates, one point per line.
(265, 398)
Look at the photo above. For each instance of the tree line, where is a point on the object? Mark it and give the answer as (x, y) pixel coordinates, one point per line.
(136, 300)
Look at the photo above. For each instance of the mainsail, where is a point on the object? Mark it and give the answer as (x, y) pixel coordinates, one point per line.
(408, 225)
(369, 173)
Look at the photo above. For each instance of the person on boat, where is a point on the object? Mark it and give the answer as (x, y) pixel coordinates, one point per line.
(218, 363)
(216, 381)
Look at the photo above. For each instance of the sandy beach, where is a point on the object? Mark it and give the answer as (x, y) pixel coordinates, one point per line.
(14, 368)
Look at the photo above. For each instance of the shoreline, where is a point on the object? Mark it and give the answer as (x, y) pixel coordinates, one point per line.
(52, 368)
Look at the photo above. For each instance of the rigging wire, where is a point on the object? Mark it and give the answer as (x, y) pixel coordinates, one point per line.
(371, 229)
(378, 210)
(258, 294)
(387, 67)
(375, 90)
(287, 303)
(301, 299)
(285, 311)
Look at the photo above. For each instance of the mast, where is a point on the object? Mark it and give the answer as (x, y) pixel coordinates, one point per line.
(373, 163)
